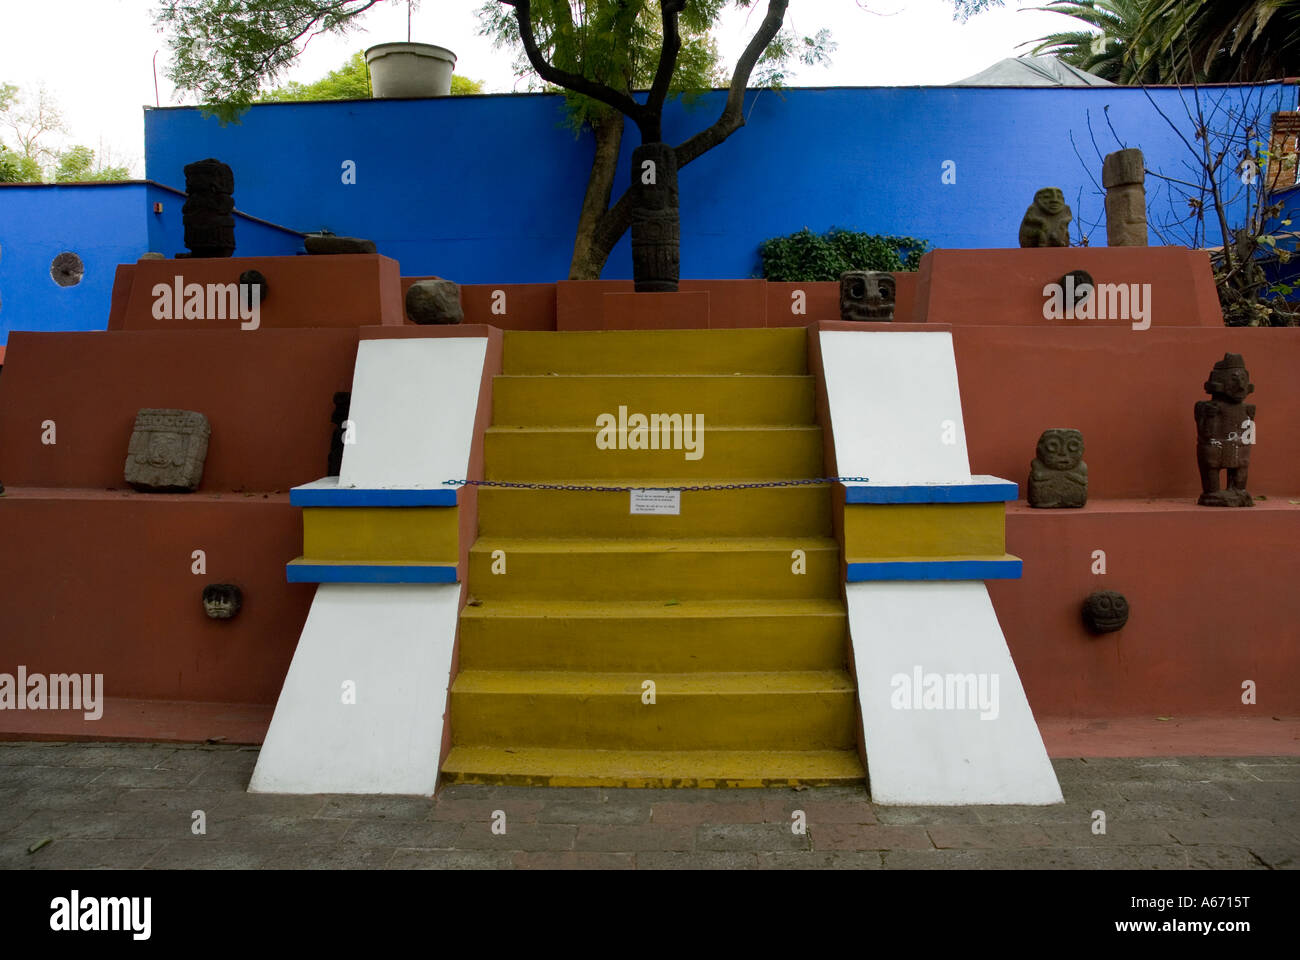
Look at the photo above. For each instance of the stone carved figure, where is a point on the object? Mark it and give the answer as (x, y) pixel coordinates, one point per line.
(656, 225)
(1123, 174)
(342, 403)
(1058, 477)
(329, 244)
(221, 601)
(1047, 221)
(867, 295)
(1225, 433)
(209, 210)
(1105, 611)
(167, 450)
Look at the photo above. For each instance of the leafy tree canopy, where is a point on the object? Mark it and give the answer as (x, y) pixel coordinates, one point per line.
(351, 81)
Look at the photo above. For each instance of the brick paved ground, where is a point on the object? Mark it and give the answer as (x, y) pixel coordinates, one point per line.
(131, 805)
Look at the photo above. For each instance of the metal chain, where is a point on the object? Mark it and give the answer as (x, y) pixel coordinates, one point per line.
(816, 481)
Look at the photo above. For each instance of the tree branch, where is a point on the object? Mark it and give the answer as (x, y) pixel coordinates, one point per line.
(733, 115)
(563, 78)
(672, 46)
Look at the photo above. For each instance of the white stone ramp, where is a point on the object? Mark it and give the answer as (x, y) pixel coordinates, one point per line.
(942, 750)
(389, 645)
(413, 407)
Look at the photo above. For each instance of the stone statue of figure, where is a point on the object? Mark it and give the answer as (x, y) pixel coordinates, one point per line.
(1225, 432)
(1047, 221)
(1058, 477)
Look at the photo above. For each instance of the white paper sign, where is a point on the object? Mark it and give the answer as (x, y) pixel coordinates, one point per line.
(664, 502)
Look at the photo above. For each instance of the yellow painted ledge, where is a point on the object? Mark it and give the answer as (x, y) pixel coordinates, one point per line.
(381, 534)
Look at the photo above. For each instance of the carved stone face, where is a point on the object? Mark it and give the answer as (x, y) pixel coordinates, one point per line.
(1060, 448)
(1232, 384)
(166, 449)
(221, 601)
(1105, 611)
(867, 295)
(1050, 200)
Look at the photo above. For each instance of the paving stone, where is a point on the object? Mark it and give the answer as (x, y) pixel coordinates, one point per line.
(1207, 857)
(276, 828)
(1279, 791)
(319, 856)
(402, 833)
(987, 836)
(1277, 856)
(74, 825)
(682, 813)
(1274, 771)
(1046, 813)
(95, 854)
(702, 860)
(1037, 858)
(144, 778)
(1242, 832)
(188, 800)
(574, 860)
(92, 798)
(821, 860)
(198, 759)
(473, 791)
(37, 754)
(413, 859)
(852, 836)
(516, 809)
(751, 836)
(1118, 833)
(1174, 789)
(353, 807)
(819, 811)
(49, 778)
(202, 853)
(130, 755)
(647, 837)
(925, 815)
(522, 836)
(14, 855)
(230, 777)
(612, 812)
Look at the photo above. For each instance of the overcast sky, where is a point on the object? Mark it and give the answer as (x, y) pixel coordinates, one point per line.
(96, 56)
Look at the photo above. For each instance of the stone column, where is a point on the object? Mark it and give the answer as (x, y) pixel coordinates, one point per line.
(1123, 175)
(656, 229)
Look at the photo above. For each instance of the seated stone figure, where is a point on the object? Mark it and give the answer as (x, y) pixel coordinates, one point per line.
(1058, 477)
(1047, 221)
(1225, 433)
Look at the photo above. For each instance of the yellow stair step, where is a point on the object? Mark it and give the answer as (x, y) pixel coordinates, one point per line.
(536, 766)
(772, 451)
(792, 710)
(722, 399)
(793, 511)
(719, 568)
(748, 351)
(706, 635)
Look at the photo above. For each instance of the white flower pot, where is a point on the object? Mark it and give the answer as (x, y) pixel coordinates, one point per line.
(410, 70)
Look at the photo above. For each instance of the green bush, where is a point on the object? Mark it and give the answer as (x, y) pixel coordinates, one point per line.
(805, 256)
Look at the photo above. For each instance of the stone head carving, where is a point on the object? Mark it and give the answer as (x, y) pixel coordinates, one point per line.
(867, 295)
(221, 601)
(1060, 448)
(1105, 611)
(1047, 221)
(1229, 380)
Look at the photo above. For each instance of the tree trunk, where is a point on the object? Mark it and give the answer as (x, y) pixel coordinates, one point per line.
(586, 264)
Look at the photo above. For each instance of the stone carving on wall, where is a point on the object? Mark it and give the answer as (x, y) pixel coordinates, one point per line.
(656, 224)
(325, 243)
(167, 450)
(867, 295)
(221, 601)
(1123, 174)
(1225, 434)
(1058, 477)
(209, 210)
(1105, 611)
(1047, 221)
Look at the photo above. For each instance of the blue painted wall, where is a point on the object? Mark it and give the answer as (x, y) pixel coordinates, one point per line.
(487, 189)
(104, 224)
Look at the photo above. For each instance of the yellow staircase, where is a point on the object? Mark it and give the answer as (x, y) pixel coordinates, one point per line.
(582, 610)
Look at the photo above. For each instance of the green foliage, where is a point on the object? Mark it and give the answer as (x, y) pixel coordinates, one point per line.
(806, 256)
(1179, 41)
(349, 82)
(16, 168)
(78, 165)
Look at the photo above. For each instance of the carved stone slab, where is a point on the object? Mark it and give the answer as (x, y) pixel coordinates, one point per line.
(167, 450)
